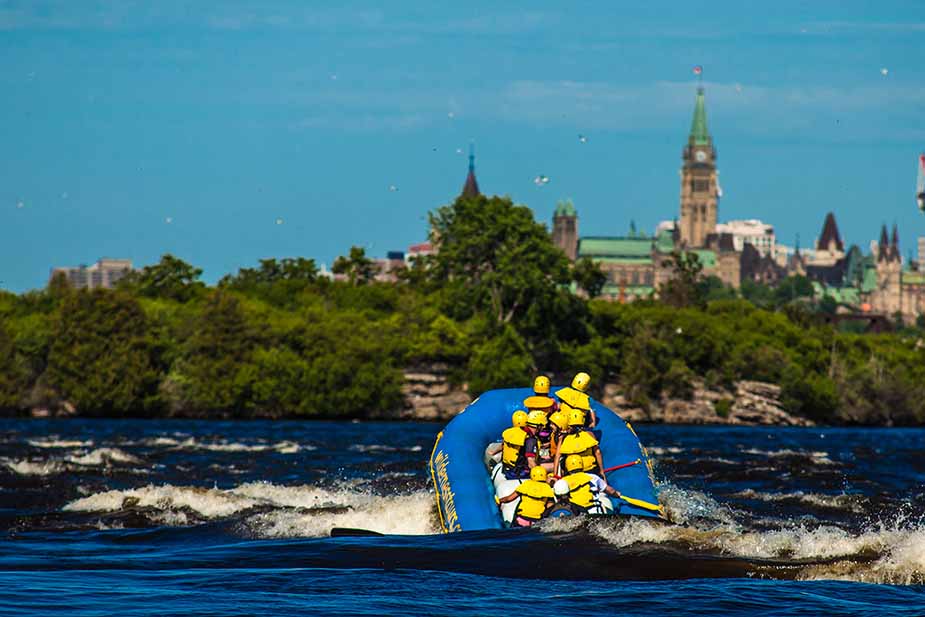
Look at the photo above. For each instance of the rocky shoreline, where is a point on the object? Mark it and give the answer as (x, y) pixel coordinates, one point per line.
(429, 395)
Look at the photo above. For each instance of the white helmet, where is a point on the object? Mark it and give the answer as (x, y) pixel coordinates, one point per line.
(560, 488)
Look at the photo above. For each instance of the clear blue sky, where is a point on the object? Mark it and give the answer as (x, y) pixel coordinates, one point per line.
(226, 116)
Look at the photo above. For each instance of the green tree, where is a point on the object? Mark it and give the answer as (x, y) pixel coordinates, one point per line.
(498, 256)
(500, 362)
(101, 357)
(12, 373)
(792, 288)
(170, 278)
(589, 277)
(358, 268)
(215, 371)
(685, 285)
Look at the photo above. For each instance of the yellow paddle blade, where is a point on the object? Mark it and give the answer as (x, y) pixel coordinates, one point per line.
(639, 503)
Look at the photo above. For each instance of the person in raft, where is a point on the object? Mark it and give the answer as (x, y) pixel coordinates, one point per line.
(583, 487)
(580, 442)
(556, 428)
(538, 424)
(518, 448)
(536, 499)
(575, 397)
(541, 401)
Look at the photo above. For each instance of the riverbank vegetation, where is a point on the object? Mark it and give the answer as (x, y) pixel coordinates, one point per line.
(496, 305)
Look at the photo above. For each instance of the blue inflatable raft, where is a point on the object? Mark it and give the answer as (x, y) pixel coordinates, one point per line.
(463, 484)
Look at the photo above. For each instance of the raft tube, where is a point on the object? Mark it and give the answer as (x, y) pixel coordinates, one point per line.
(462, 482)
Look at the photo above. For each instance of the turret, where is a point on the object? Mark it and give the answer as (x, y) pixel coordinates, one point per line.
(565, 228)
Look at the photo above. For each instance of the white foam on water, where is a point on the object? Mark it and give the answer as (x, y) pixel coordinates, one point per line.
(884, 553)
(59, 443)
(661, 451)
(207, 502)
(103, 456)
(852, 503)
(291, 514)
(381, 448)
(393, 514)
(190, 443)
(34, 468)
(818, 457)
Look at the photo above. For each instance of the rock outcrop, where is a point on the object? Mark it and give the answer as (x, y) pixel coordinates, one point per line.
(750, 403)
(429, 395)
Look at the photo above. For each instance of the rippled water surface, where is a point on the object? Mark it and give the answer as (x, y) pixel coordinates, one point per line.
(183, 517)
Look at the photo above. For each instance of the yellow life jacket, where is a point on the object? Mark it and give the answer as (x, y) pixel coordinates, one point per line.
(543, 403)
(580, 492)
(533, 499)
(512, 451)
(575, 399)
(582, 444)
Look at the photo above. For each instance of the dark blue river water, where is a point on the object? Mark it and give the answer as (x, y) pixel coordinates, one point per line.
(215, 518)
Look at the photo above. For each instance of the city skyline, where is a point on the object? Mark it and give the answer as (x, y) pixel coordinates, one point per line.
(243, 131)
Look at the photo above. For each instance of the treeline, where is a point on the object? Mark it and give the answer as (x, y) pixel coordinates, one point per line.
(496, 304)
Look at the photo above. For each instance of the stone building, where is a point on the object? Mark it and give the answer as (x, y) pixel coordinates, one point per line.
(105, 273)
(699, 182)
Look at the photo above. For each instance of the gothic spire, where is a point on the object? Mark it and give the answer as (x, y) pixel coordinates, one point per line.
(883, 248)
(700, 135)
(894, 244)
(471, 187)
(830, 235)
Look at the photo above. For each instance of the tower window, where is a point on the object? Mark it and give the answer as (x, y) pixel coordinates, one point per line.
(700, 184)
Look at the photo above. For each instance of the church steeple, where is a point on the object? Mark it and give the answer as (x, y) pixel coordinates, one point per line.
(471, 187)
(700, 135)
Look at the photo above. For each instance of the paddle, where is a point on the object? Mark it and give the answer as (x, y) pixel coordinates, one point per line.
(616, 467)
(639, 503)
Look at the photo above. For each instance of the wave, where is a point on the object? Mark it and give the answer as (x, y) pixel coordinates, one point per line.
(817, 457)
(103, 456)
(272, 510)
(882, 553)
(381, 448)
(58, 443)
(852, 503)
(283, 447)
(100, 457)
(34, 468)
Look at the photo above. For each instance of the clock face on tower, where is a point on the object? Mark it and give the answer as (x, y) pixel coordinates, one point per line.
(701, 156)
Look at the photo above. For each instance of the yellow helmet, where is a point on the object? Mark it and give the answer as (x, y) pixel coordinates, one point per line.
(559, 419)
(573, 463)
(519, 418)
(538, 474)
(541, 385)
(576, 417)
(581, 381)
(536, 418)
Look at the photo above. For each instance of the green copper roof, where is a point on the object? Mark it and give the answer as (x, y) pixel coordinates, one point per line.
(565, 208)
(700, 136)
(707, 258)
(664, 242)
(913, 278)
(619, 248)
(637, 290)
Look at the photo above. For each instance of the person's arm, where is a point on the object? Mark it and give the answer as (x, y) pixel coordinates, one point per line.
(593, 418)
(509, 498)
(611, 491)
(530, 452)
(555, 466)
(599, 458)
(496, 449)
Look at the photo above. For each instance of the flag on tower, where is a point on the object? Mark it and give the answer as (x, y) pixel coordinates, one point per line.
(698, 70)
